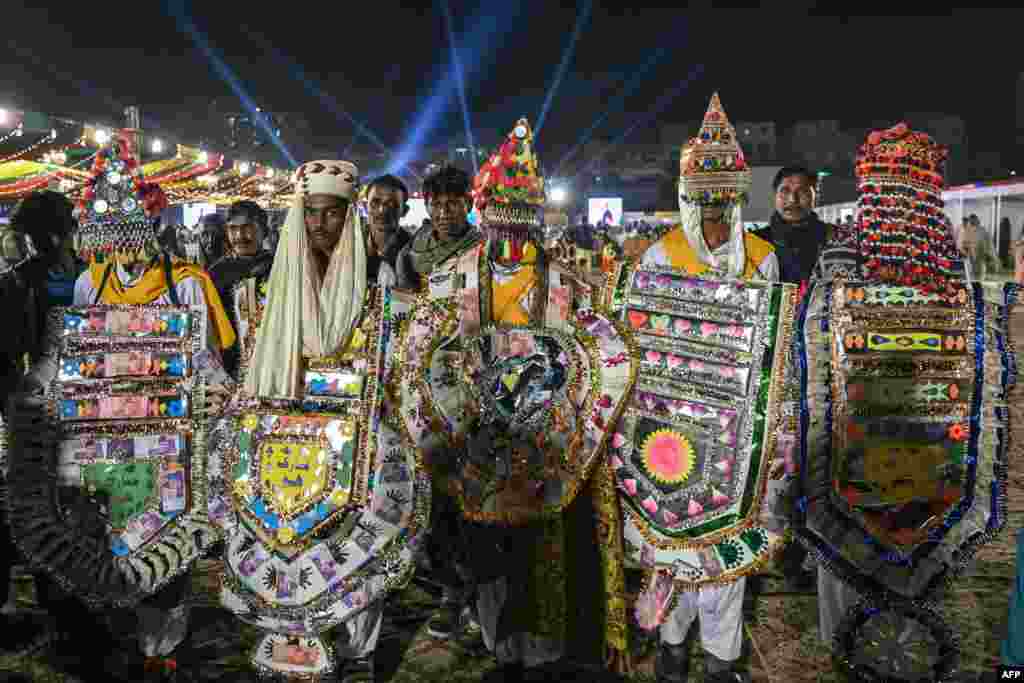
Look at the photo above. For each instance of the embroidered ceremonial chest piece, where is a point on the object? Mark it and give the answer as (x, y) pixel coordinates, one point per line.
(904, 463)
(322, 500)
(118, 508)
(691, 454)
(514, 416)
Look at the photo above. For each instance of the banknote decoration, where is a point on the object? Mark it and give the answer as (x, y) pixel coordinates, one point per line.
(126, 511)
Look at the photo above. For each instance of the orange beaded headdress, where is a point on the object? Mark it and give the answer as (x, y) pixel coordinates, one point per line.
(905, 237)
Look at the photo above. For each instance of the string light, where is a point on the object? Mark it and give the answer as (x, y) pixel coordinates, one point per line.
(243, 168)
(203, 158)
(3, 116)
(157, 146)
(101, 136)
(34, 145)
(9, 135)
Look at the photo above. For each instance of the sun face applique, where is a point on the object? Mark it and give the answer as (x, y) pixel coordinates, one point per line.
(668, 456)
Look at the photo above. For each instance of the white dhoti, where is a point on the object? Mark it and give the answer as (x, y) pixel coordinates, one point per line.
(529, 649)
(721, 619)
(835, 598)
(357, 637)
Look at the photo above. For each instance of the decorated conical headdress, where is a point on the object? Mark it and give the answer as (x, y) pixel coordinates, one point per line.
(904, 233)
(118, 212)
(508, 190)
(712, 170)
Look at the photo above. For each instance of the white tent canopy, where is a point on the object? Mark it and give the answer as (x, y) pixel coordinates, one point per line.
(990, 202)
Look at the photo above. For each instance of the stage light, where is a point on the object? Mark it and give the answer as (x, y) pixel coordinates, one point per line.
(19, 131)
(53, 133)
(243, 168)
(270, 173)
(3, 116)
(558, 194)
(157, 146)
(101, 136)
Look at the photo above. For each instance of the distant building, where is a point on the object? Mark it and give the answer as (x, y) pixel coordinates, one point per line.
(821, 144)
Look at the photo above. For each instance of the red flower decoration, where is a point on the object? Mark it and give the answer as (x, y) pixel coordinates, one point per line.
(957, 432)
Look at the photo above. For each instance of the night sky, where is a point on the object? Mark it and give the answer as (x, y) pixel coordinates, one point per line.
(389, 65)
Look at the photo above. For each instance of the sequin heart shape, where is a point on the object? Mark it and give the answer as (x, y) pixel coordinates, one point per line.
(637, 319)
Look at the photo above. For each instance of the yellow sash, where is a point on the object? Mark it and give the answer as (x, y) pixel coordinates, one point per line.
(682, 256)
(507, 297)
(153, 284)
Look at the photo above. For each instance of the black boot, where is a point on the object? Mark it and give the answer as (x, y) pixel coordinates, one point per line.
(672, 664)
(720, 671)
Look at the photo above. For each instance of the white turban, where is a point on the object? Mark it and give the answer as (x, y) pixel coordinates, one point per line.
(733, 260)
(304, 317)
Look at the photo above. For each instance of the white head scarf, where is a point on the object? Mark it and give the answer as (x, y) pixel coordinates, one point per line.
(304, 317)
(731, 257)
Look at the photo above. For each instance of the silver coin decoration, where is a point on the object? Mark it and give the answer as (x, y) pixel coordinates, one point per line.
(114, 178)
(100, 206)
(129, 204)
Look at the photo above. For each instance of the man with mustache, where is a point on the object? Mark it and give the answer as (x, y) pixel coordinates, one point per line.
(447, 235)
(246, 258)
(795, 230)
(317, 316)
(387, 202)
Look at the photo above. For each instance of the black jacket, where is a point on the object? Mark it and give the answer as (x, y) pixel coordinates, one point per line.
(797, 245)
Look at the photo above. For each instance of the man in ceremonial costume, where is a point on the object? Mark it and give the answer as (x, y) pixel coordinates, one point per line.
(705, 571)
(448, 233)
(907, 377)
(710, 238)
(502, 422)
(119, 214)
(311, 545)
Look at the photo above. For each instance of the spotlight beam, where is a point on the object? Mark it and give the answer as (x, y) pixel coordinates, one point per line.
(635, 82)
(659, 105)
(486, 23)
(582, 17)
(362, 129)
(460, 81)
(179, 11)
